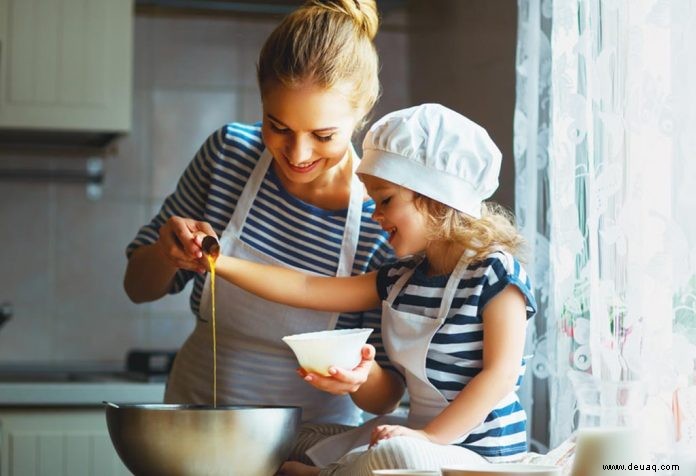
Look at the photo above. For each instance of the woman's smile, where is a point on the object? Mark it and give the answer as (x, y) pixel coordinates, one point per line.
(303, 167)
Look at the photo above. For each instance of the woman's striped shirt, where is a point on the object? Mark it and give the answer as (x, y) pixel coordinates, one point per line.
(294, 232)
(455, 354)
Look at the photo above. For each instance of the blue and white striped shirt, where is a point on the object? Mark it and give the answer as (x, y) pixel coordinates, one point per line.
(280, 225)
(455, 354)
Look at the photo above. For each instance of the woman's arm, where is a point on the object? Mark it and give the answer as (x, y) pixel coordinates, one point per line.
(298, 289)
(151, 268)
(166, 247)
(504, 328)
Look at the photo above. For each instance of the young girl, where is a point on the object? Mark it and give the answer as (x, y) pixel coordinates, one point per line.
(454, 306)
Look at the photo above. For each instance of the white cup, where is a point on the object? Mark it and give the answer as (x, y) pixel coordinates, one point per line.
(596, 447)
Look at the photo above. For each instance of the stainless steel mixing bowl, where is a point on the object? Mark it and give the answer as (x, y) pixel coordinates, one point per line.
(190, 440)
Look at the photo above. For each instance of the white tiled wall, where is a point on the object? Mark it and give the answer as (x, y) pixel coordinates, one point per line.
(62, 255)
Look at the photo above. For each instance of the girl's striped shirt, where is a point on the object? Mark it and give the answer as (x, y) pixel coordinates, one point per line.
(294, 232)
(455, 354)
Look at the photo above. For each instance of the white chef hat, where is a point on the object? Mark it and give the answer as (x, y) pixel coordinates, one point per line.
(436, 152)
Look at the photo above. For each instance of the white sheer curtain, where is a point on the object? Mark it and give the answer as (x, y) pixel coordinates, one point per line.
(605, 152)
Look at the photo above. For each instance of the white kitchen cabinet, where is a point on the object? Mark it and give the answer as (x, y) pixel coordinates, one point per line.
(65, 65)
(57, 442)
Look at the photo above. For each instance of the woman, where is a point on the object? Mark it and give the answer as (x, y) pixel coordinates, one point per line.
(280, 192)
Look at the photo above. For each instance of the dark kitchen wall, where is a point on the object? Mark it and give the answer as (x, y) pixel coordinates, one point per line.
(462, 54)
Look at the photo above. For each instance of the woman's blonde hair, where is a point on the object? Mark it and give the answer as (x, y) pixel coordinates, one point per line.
(329, 43)
(494, 231)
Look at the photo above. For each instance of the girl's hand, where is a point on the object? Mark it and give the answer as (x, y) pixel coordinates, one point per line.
(179, 243)
(342, 381)
(384, 432)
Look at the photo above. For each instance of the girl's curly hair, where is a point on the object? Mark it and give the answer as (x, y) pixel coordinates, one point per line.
(494, 231)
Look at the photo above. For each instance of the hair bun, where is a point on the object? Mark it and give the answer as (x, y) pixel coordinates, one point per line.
(363, 12)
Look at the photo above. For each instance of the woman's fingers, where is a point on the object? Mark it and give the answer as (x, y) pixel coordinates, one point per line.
(185, 230)
(206, 228)
(203, 229)
(177, 240)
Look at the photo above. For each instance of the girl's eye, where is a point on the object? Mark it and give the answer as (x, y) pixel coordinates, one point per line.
(324, 138)
(280, 130)
(385, 201)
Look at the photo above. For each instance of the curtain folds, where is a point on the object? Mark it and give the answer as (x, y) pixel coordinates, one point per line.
(605, 154)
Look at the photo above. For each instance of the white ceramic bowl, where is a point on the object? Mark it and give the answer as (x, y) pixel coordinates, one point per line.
(504, 469)
(317, 351)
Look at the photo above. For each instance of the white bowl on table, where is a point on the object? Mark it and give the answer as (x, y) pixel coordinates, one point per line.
(504, 469)
(317, 351)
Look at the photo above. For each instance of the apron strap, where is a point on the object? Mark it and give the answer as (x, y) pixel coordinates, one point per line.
(351, 232)
(246, 198)
(448, 294)
(401, 282)
(452, 286)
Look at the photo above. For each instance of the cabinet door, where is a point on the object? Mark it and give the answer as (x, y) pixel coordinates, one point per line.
(66, 64)
(57, 443)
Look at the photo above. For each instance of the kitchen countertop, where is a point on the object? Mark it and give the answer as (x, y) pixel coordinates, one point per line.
(78, 393)
(76, 384)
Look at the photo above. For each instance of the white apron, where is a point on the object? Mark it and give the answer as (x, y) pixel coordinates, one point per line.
(253, 365)
(406, 338)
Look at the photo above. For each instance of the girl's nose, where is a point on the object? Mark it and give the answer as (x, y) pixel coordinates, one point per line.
(377, 216)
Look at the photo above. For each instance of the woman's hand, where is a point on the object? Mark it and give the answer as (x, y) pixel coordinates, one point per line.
(342, 381)
(384, 432)
(179, 243)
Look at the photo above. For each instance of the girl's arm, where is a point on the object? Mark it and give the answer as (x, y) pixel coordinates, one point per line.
(381, 393)
(298, 289)
(504, 329)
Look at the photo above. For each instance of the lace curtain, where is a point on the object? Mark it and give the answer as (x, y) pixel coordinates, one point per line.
(605, 154)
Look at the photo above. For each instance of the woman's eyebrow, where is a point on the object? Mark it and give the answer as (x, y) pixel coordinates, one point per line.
(275, 119)
(323, 129)
(326, 129)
